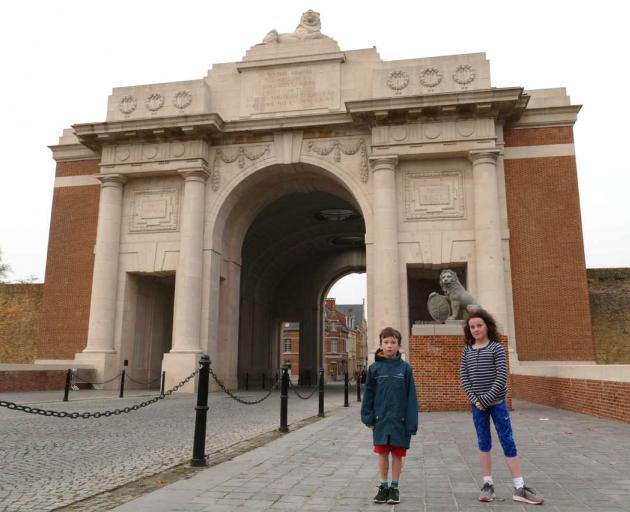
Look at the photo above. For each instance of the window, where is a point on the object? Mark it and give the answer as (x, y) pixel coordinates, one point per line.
(333, 345)
(287, 345)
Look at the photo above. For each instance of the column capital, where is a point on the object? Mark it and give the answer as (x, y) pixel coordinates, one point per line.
(199, 174)
(484, 155)
(385, 162)
(111, 180)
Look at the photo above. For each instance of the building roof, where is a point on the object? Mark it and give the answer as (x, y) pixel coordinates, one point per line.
(357, 312)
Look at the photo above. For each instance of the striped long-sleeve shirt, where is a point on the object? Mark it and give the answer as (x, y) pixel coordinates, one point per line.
(483, 374)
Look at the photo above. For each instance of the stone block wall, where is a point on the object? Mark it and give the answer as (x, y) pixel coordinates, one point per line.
(609, 291)
(604, 399)
(546, 251)
(68, 282)
(435, 361)
(20, 313)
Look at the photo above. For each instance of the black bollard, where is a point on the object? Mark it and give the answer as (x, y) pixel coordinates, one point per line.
(263, 381)
(162, 384)
(308, 378)
(246, 381)
(122, 384)
(321, 393)
(345, 391)
(358, 386)
(201, 413)
(66, 390)
(284, 399)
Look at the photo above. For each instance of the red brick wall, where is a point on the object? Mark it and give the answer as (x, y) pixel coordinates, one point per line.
(68, 282)
(32, 380)
(435, 361)
(551, 306)
(538, 136)
(604, 399)
(20, 316)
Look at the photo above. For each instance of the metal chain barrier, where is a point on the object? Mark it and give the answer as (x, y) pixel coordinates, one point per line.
(127, 376)
(97, 414)
(238, 399)
(75, 376)
(294, 389)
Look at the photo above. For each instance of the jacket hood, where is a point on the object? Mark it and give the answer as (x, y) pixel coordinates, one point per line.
(379, 355)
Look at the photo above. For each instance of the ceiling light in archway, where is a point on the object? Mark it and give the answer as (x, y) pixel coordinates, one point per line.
(336, 214)
(348, 241)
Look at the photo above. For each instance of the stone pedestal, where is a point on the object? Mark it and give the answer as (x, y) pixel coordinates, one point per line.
(106, 365)
(178, 366)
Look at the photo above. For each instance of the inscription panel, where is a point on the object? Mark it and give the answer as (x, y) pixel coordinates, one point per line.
(434, 195)
(290, 88)
(155, 210)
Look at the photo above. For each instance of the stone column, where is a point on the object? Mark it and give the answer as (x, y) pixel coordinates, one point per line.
(490, 268)
(385, 242)
(105, 275)
(186, 343)
(187, 308)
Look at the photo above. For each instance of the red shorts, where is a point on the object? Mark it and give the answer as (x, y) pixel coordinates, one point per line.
(387, 448)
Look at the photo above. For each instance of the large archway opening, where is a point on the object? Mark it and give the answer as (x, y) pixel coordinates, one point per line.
(291, 232)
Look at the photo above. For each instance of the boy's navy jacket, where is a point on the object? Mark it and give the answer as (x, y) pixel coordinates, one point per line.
(390, 404)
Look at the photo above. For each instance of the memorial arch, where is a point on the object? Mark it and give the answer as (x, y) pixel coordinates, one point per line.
(201, 213)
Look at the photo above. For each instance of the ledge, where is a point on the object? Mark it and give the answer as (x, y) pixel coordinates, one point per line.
(586, 370)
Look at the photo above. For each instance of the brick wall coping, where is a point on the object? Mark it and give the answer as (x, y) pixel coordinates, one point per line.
(572, 370)
(16, 367)
(454, 329)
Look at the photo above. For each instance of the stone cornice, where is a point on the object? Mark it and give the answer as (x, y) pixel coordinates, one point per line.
(70, 152)
(289, 122)
(549, 116)
(298, 59)
(504, 103)
(94, 135)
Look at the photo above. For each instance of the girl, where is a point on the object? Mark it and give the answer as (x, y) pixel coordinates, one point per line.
(483, 375)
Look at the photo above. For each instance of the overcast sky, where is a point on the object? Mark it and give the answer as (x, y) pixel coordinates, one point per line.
(61, 59)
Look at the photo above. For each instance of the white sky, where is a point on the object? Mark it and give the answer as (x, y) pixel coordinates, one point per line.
(60, 59)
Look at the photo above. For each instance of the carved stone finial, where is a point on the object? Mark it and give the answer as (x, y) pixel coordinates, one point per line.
(310, 27)
(455, 304)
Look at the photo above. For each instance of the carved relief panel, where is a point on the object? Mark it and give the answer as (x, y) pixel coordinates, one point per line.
(155, 210)
(434, 195)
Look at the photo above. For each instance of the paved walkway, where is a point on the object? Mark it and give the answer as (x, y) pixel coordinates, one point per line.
(579, 463)
(46, 462)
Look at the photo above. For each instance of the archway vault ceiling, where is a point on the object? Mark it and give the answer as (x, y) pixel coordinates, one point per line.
(288, 233)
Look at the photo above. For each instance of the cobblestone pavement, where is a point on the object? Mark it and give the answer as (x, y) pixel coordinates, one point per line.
(577, 462)
(46, 462)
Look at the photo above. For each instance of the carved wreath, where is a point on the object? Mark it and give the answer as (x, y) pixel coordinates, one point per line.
(182, 99)
(240, 155)
(398, 80)
(128, 104)
(155, 102)
(430, 77)
(337, 148)
(464, 74)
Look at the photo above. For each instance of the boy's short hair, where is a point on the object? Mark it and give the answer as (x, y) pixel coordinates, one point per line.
(389, 332)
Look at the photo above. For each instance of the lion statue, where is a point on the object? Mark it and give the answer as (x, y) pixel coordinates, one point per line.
(460, 301)
(309, 28)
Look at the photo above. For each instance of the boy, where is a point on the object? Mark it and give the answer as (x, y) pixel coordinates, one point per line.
(390, 408)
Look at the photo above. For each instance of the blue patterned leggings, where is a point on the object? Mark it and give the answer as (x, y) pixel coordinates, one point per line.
(501, 418)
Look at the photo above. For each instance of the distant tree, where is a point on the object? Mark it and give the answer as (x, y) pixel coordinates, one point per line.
(28, 280)
(5, 268)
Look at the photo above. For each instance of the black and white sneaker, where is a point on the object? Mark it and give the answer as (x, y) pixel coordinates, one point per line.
(527, 495)
(382, 495)
(487, 493)
(394, 495)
